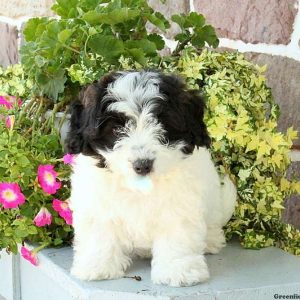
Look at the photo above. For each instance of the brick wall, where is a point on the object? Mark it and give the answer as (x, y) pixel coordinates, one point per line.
(267, 31)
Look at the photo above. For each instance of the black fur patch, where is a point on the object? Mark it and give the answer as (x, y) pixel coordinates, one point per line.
(182, 114)
(93, 127)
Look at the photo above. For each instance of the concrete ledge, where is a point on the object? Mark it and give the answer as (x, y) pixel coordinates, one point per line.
(236, 273)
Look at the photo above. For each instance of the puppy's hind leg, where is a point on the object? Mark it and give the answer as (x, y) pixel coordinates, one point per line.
(215, 240)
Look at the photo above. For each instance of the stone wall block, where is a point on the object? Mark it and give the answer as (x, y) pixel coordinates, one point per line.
(21, 8)
(168, 9)
(252, 21)
(9, 44)
(283, 76)
(291, 214)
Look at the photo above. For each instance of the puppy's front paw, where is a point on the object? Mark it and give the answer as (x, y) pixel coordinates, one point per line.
(184, 271)
(96, 272)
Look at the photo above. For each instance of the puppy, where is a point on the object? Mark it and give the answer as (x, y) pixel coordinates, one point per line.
(143, 182)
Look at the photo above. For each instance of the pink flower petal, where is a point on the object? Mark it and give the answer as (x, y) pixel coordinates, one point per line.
(5, 102)
(47, 179)
(43, 217)
(63, 209)
(11, 195)
(29, 255)
(68, 159)
(9, 121)
(20, 102)
(9, 101)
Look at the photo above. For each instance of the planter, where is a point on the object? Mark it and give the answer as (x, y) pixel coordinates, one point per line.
(9, 278)
(236, 273)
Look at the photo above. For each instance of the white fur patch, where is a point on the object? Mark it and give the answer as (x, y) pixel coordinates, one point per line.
(134, 92)
(178, 220)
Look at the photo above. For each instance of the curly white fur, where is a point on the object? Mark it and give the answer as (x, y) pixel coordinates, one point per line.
(174, 214)
(176, 223)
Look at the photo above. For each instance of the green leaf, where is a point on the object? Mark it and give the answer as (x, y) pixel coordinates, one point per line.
(158, 20)
(198, 41)
(22, 161)
(58, 241)
(32, 230)
(26, 211)
(181, 37)
(64, 35)
(145, 45)
(114, 17)
(205, 34)
(138, 55)
(33, 27)
(93, 31)
(106, 46)
(195, 19)
(52, 84)
(66, 8)
(179, 19)
(21, 233)
(157, 39)
(40, 60)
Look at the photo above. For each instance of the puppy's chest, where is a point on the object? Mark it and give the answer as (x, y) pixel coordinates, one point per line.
(141, 219)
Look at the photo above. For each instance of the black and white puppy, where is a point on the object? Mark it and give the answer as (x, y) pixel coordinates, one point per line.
(143, 181)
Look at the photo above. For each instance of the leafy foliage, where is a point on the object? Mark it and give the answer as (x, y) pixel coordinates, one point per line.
(195, 31)
(20, 157)
(92, 36)
(242, 121)
(13, 81)
(23, 147)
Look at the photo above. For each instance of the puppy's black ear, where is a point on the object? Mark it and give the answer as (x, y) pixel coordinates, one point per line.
(83, 115)
(93, 93)
(195, 106)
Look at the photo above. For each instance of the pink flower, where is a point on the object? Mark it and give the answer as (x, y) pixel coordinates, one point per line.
(20, 102)
(29, 255)
(43, 217)
(5, 102)
(9, 101)
(47, 179)
(11, 195)
(68, 159)
(9, 121)
(63, 209)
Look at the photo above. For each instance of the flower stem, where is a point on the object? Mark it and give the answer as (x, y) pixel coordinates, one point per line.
(36, 250)
(72, 49)
(24, 110)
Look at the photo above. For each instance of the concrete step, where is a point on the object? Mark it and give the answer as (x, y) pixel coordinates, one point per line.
(236, 273)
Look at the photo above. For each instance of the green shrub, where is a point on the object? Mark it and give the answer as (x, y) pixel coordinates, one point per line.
(13, 81)
(25, 145)
(242, 121)
(91, 36)
(21, 153)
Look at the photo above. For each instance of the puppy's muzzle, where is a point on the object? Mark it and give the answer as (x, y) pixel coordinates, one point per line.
(143, 166)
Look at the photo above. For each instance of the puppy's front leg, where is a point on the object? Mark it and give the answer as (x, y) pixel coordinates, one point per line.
(178, 258)
(98, 252)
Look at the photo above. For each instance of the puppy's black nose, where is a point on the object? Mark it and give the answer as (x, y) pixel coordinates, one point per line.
(143, 166)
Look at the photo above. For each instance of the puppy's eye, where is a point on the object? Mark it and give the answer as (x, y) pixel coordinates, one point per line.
(116, 130)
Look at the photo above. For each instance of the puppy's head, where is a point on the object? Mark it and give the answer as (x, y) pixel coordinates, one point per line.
(138, 124)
